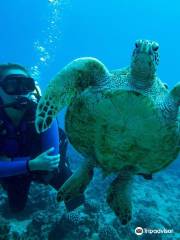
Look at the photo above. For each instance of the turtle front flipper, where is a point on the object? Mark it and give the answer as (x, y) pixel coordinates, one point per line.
(77, 183)
(73, 79)
(119, 196)
(175, 93)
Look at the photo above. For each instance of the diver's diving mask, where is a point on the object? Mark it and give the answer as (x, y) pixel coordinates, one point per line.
(17, 84)
(25, 89)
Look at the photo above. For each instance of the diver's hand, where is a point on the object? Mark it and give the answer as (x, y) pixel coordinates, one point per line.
(45, 162)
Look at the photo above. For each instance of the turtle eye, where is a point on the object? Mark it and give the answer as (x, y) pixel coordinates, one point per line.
(137, 44)
(155, 46)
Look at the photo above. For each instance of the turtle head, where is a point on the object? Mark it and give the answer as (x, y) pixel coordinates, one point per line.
(145, 59)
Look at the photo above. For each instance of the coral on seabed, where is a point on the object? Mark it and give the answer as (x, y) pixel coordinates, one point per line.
(108, 233)
(154, 209)
(4, 230)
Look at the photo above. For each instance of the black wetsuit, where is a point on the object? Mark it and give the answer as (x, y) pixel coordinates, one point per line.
(22, 143)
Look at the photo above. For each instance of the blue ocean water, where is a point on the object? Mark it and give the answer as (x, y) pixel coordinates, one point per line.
(45, 35)
(103, 29)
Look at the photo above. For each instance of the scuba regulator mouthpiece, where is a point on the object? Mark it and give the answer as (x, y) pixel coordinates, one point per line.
(22, 103)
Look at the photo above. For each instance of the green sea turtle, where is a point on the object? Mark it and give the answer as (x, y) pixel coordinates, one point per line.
(124, 121)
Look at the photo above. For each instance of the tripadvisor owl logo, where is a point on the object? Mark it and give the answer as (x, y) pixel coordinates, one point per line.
(139, 231)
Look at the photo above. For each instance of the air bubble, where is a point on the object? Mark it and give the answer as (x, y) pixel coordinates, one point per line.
(45, 49)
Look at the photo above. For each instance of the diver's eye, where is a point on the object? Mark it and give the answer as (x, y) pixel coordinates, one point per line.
(155, 46)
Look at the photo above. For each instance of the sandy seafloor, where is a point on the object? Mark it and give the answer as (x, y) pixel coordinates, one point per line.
(155, 206)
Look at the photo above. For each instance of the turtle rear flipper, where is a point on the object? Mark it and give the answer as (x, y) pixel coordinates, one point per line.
(119, 197)
(77, 183)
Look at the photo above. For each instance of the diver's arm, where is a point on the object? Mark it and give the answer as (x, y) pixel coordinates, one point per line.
(15, 167)
(47, 160)
(50, 138)
(48, 156)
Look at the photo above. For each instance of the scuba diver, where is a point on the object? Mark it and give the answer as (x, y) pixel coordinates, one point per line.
(25, 155)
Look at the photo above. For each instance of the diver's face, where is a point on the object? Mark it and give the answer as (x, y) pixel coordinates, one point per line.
(7, 98)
